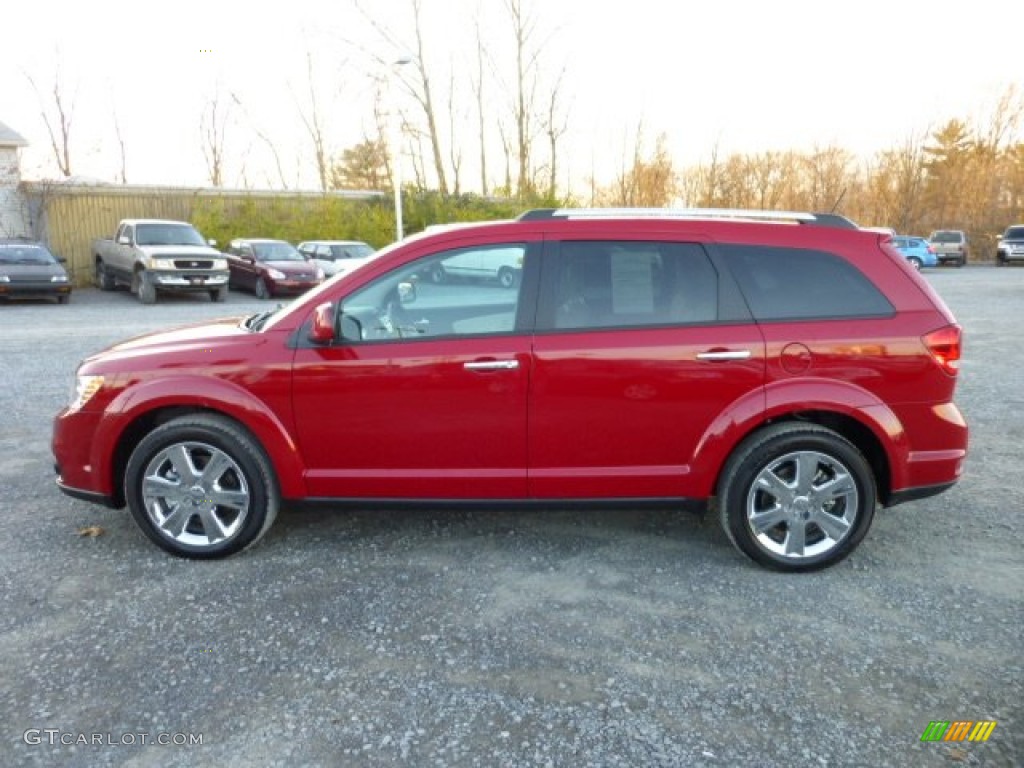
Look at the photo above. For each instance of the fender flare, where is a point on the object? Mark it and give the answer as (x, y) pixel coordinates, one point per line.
(218, 397)
(781, 399)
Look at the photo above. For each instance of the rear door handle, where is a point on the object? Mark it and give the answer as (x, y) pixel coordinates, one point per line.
(724, 355)
(492, 365)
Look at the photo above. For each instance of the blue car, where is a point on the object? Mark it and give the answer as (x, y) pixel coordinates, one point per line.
(917, 250)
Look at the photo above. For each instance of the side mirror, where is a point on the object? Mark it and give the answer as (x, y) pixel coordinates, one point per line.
(62, 260)
(212, 243)
(124, 240)
(406, 292)
(322, 330)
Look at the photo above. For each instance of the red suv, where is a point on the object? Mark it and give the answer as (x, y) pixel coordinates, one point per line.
(790, 366)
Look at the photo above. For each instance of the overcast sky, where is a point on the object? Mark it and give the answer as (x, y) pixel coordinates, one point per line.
(742, 75)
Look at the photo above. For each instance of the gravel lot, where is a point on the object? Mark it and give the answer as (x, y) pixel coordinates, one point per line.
(559, 638)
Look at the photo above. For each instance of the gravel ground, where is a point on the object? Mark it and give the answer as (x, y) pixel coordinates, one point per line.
(559, 638)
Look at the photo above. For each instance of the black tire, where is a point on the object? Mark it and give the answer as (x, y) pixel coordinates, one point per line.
(916, 263)
(219, 294)
(104, 280)
(213, 516)
(63, 298)
(507, 277)
(262, 292)
(144, 288)
(821, 525)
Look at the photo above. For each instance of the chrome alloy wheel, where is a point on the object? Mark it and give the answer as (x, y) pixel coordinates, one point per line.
(195, 494)
(802, 505)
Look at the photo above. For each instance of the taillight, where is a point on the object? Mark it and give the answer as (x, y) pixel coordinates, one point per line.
(944, 346)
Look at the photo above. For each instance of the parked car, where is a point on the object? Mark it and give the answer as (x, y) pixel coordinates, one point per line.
(790, 373)
(155, 256)
(270, 268)
(334, 256)
(1011, 246)
(29, 270)
(502, 265)
(950, 246)
(918, 251)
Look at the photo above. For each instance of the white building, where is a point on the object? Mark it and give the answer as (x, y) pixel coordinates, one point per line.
(13, 206)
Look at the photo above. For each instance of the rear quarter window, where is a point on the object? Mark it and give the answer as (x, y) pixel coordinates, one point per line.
(802, 284)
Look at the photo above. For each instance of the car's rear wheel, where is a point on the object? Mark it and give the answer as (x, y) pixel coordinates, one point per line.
(262, 291)
(507, 277)
(916, 263)
(104, 280)
(796, 497)
(201, 487)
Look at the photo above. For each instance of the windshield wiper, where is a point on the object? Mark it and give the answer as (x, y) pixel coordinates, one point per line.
(257, 321)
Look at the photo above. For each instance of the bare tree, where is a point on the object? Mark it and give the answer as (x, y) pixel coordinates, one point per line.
(455, 147)
(313, 120)
(478, 92)
(121, 148)
(58, 117)
(262, 136)
(556, 124)
(523, 28)
(213, 129)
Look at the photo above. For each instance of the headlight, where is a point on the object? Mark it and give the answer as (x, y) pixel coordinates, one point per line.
(220, 263)
(85, 388)
(5, 279)
(59, 279)
(319, 274)
(163, 264)
(275, 274)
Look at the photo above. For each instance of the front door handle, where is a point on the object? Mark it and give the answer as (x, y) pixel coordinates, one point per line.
(725, 355)
(492, 365)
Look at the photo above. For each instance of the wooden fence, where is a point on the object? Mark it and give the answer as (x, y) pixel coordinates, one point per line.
(68, 217)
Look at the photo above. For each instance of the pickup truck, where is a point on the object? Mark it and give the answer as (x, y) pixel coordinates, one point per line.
(153, 256)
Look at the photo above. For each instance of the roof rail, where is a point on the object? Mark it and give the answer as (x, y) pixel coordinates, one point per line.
(821, 219)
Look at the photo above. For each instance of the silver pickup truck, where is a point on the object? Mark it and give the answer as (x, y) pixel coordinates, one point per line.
(154, 256)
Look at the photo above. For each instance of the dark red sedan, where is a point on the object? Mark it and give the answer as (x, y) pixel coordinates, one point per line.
(270, 268)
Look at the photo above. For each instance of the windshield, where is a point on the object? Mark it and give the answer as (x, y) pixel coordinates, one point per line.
(167, 234)
(947, 237)
(1014, 233)
(352, 251)
(24, 254)
(276, 251)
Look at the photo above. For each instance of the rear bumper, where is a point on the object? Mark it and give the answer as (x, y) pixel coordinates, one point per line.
(913, 494)
(936, 451)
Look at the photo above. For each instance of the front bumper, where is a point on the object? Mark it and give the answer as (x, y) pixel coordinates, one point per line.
(189, 280)
(34, 288)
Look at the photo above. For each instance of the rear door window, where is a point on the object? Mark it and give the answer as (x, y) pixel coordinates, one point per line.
(629, 284)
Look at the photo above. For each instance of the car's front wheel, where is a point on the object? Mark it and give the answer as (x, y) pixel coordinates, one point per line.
(796, 497)
(201, 487)
(262, 291)
(915, 263)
